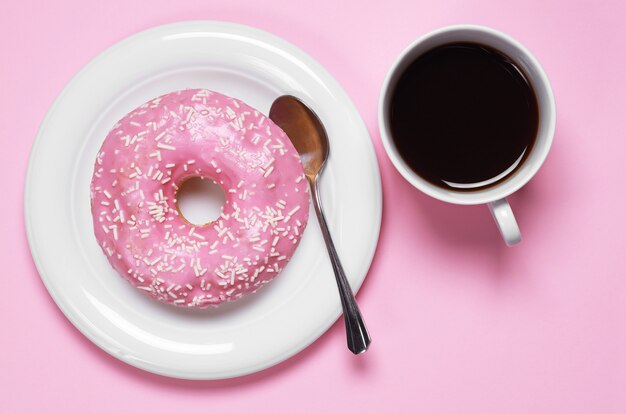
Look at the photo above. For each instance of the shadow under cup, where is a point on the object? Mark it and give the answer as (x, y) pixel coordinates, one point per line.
(535, 76)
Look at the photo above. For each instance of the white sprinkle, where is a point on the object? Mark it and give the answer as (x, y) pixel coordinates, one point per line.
(161, 135)
(156, 154)
(268, 172)
(189, 114)
(230, 113)
(166, 146)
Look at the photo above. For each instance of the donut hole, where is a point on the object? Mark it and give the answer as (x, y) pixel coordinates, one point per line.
(200, 200)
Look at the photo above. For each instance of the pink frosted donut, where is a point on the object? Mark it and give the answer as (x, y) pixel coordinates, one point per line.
(198, 133)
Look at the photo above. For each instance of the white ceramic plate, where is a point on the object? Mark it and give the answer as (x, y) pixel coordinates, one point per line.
(238, 338)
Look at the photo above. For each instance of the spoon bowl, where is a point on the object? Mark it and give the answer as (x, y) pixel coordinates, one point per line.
(305, 131)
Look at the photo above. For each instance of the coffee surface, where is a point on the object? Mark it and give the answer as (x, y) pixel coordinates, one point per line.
(463, 116)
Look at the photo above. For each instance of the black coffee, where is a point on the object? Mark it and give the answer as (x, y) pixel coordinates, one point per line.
(463, 116)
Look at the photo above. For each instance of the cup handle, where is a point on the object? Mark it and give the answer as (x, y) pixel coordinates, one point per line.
(503, 215)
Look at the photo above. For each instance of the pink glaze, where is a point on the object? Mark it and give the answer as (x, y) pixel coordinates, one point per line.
(190, 133)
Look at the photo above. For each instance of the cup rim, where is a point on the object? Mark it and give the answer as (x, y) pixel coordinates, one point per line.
(474, 197)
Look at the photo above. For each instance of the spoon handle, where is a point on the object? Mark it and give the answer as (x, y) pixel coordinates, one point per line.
(358, 337)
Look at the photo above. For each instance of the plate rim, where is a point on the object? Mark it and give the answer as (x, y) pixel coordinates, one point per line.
(100, 341)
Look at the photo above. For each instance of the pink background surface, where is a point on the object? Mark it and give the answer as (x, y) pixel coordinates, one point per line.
(460, 322)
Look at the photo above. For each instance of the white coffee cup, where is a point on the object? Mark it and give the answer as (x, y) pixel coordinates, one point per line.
(495, 196)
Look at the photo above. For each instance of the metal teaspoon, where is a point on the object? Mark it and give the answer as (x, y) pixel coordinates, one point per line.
(308, 136)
